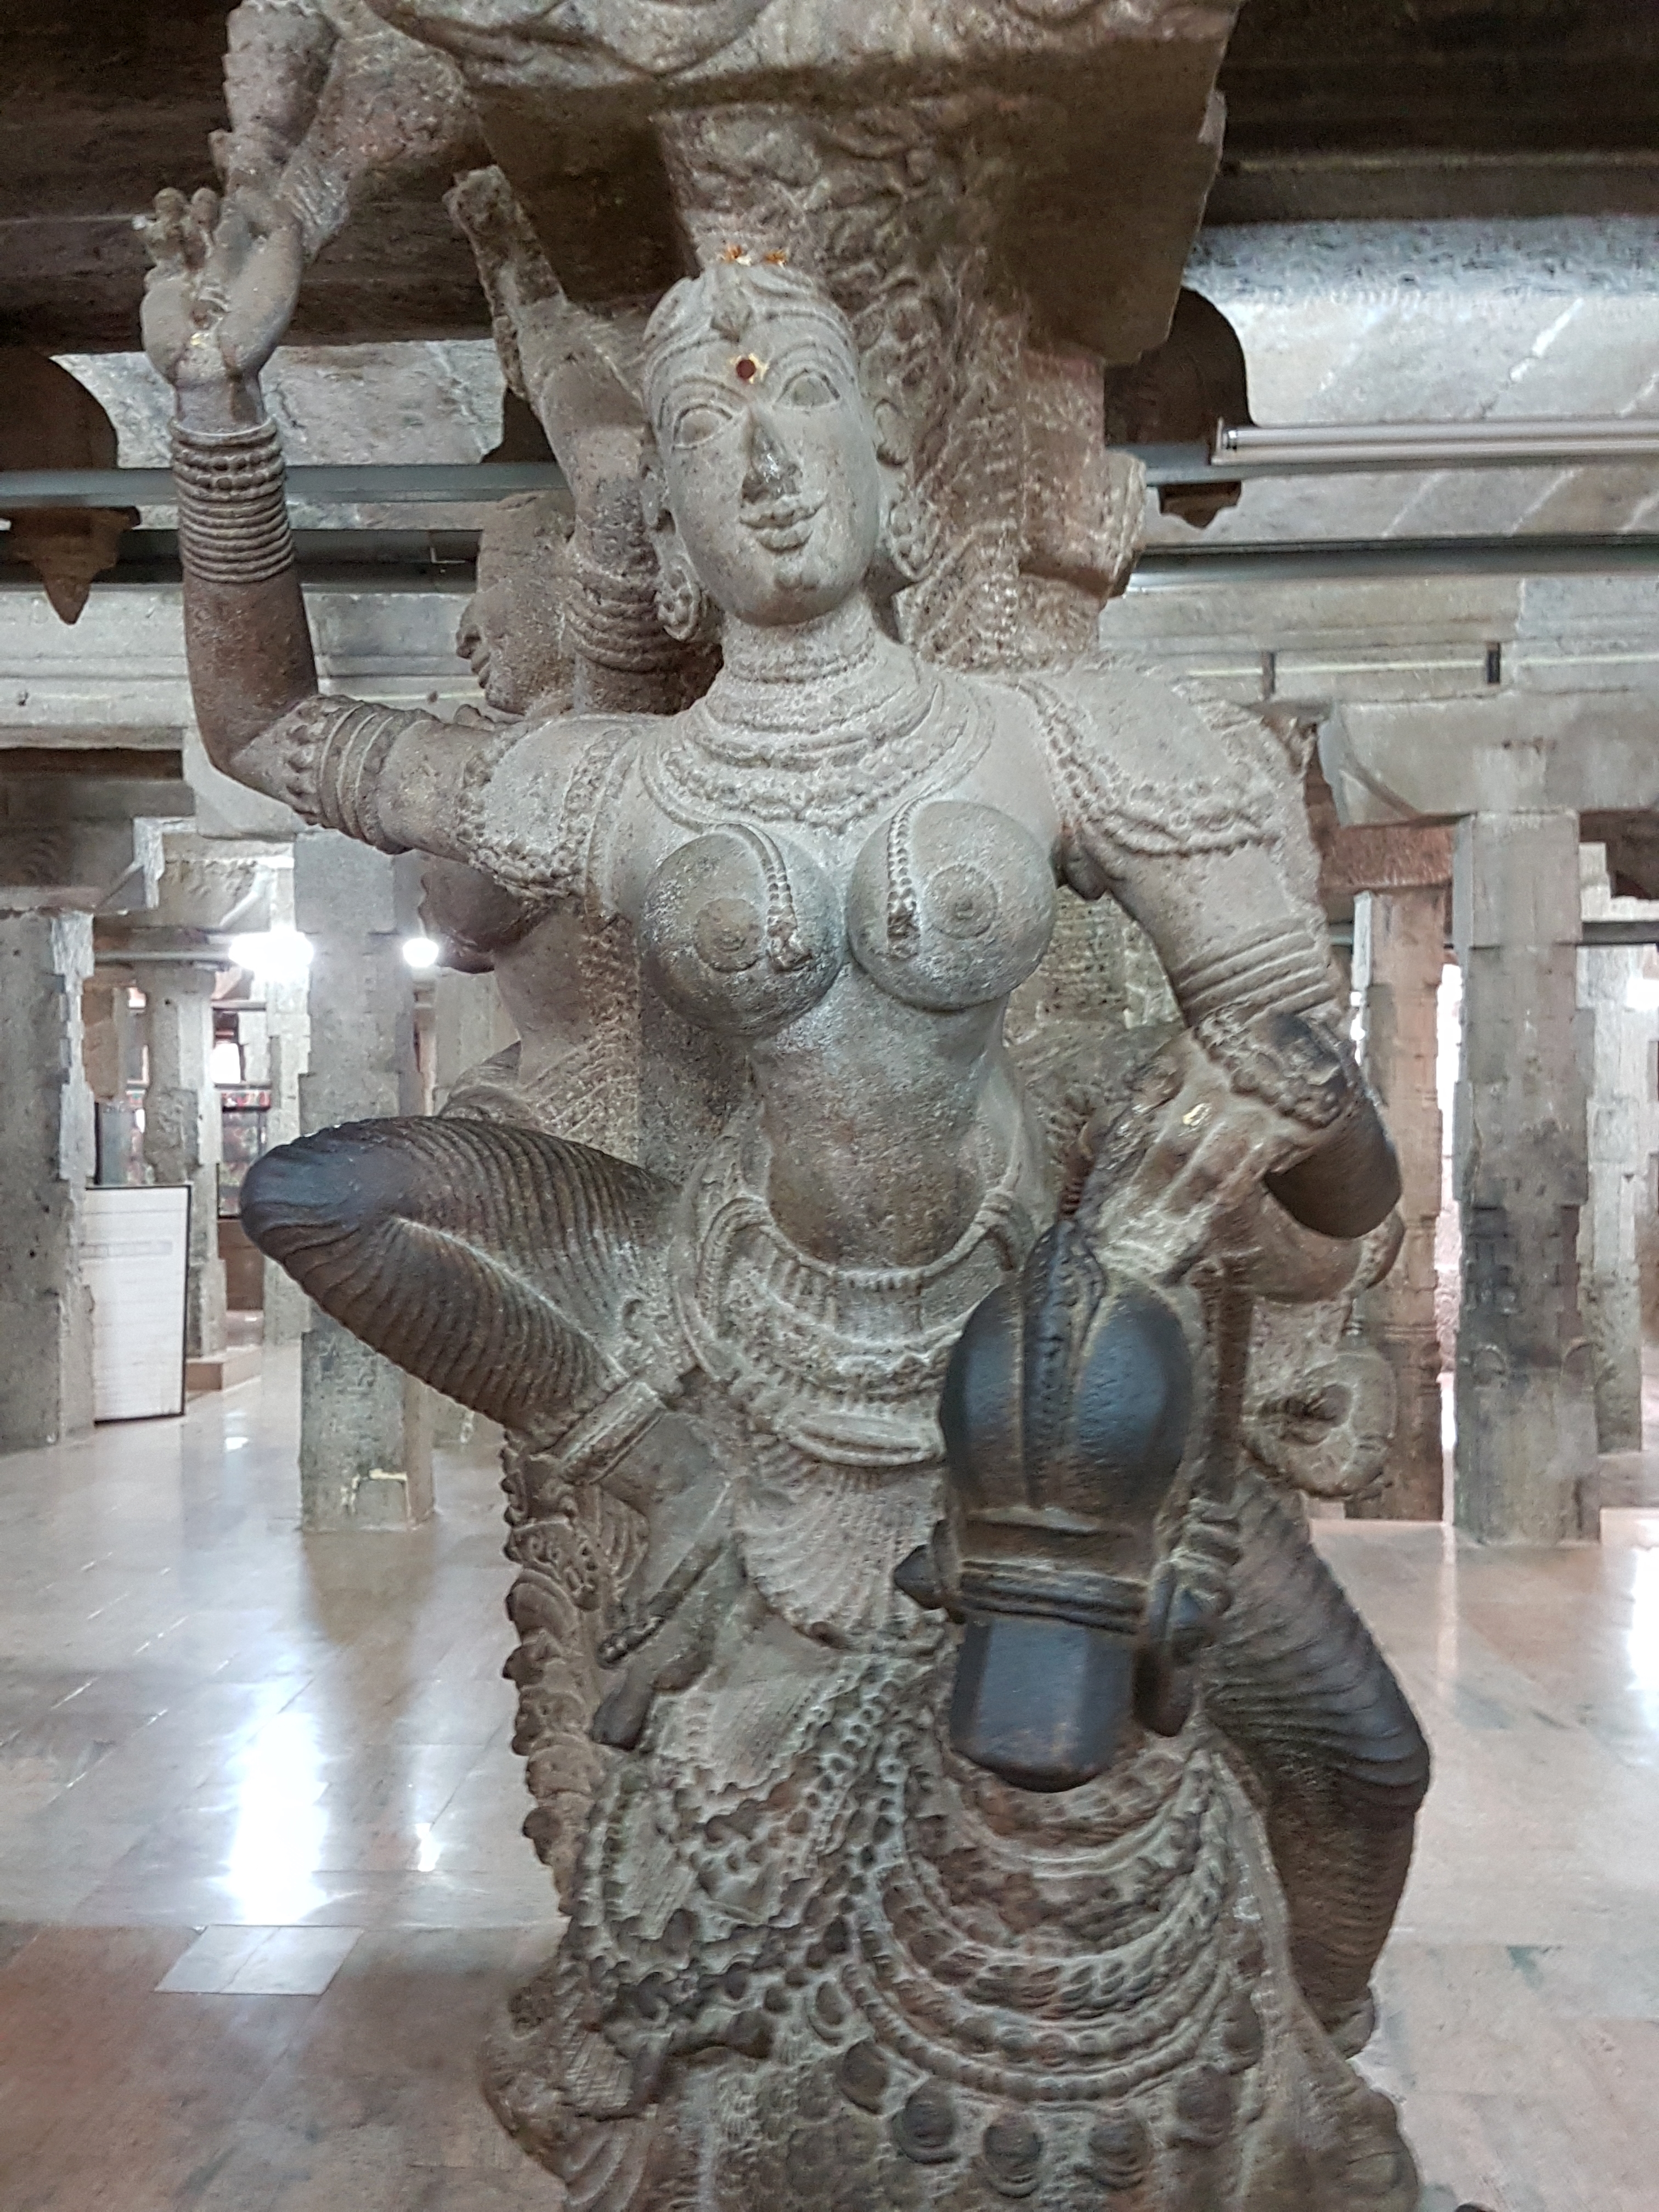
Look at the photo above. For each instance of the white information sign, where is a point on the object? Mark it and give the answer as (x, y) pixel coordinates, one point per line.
(133, 1255)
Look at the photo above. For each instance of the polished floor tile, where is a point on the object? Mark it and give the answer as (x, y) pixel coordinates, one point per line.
(261, 1886)
(269, 1962)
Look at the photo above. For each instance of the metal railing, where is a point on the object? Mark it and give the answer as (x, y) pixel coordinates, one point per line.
(444, 559)
(1249, 451)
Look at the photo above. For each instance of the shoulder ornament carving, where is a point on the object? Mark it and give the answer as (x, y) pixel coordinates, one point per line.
(1123, 785)
(513, 836)
(489, 750)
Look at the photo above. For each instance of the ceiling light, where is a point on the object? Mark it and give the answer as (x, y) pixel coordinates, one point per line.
(273, 955)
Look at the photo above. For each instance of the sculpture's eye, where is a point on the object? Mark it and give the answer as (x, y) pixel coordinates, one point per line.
(696, 424)
(809, 387)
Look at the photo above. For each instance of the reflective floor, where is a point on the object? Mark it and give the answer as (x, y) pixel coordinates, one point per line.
(261, 1881)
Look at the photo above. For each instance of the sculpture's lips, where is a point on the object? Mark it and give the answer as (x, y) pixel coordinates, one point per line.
(782, 525)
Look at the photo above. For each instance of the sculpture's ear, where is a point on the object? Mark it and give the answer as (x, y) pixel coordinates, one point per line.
(684, 607)
(894, 446)
(653, 488)
(899, 560)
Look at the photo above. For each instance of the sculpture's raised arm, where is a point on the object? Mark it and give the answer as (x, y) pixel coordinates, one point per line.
(579, 369)
(219, 298)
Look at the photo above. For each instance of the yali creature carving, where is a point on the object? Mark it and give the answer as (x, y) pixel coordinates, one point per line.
(964, 1781)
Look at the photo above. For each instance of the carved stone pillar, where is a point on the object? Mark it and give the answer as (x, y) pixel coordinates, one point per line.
(365, 1436)
(1399, 956)
(103, 1022)
(1622, 1029)
(838, 1932)
(46, 1163)
(1526, 1421)
(182, 1135)
(469, 1026)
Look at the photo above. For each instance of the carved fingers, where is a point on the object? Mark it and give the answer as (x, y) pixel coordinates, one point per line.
(177, 245)
(264, 263)
(224, 277)
(1206, 1153)
(486, 209)
(579, 369)
(512, 266)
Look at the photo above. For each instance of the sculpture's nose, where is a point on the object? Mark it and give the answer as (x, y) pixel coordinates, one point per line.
(773, 472)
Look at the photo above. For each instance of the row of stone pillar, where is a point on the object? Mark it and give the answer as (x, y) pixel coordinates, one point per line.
(48, 1144)
(366, 1431)
(1554, 1136)
(1545, 1356)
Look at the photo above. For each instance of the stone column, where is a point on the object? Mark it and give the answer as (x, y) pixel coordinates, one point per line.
(1400, 951)
(1526, 1469)
(46, 1164)
(287, 1055)
(182, 1132)
(365, 1447)
(470, 1025)
(103, 1034)
(1620, 1046)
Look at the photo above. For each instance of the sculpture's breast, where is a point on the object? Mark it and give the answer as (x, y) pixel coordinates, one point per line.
(741, 931)
(948, 905)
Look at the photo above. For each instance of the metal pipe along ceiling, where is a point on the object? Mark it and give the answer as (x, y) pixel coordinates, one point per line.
(444, 559)
(1256, 450)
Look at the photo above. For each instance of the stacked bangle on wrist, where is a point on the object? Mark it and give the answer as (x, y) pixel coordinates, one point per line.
(233, 504)
(611, 614)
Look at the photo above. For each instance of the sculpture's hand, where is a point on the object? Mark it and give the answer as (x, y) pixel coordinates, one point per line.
(221, 290)
(513, 267)
(579, 368)
(1156, 1196)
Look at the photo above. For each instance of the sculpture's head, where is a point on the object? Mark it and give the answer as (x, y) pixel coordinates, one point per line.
(769, 462)
(512, 629)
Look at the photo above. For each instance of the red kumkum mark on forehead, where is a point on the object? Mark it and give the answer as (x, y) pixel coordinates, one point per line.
(747, 369)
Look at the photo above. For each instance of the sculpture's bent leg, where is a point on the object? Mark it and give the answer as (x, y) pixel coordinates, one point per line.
(515, 1272)
(521, 1274)
(1332, 1749)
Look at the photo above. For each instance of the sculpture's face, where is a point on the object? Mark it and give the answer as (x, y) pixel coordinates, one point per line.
(512, 629)
(770, 468)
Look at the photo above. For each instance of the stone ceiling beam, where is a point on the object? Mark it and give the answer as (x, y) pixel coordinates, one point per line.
(1386, 114)
(1514, 751)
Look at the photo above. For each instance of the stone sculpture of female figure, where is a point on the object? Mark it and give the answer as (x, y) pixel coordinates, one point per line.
(1013, 1812)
